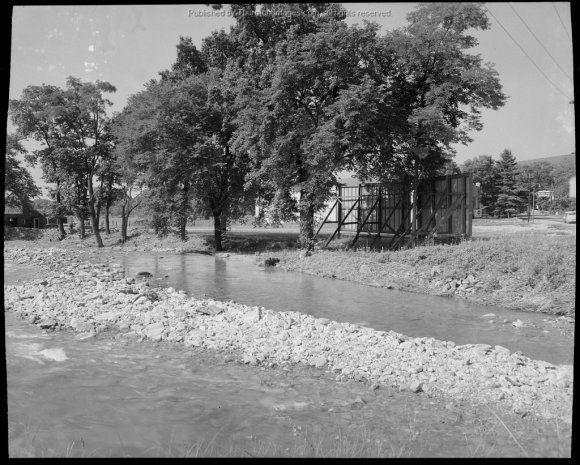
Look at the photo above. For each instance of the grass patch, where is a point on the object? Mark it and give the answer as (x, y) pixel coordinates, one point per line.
(484, 436)
(526, 271)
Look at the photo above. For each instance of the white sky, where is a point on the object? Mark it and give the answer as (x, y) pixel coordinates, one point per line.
(127, 45)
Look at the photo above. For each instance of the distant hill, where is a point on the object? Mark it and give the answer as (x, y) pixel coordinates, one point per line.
(555, 160)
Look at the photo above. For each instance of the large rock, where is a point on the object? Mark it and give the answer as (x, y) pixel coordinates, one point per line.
(209, 309)
(319, 361)
(143, 274)
(150, 295)
(250, 359)
(47, 323)
(154, 331)
(271, 261)
(56, 354)
(364, 269)
(193, 339)
(80, 325)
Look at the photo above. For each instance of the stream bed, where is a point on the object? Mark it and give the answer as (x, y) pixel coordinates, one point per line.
(239, 278)
(111, 396)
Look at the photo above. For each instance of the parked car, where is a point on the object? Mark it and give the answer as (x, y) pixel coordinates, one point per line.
(570, 217)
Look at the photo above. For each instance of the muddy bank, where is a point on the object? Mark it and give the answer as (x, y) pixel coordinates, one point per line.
(97, 298)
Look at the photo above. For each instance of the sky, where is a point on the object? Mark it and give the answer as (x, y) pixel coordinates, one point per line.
(127, 45)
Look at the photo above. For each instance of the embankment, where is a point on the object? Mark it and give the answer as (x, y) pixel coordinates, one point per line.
(528, 272)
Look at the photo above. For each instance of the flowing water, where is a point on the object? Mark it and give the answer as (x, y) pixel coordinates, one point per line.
(239, 278)
(109, 396)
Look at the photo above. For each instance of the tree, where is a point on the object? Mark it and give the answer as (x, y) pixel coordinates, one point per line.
(534, 177)
(107, 176)
(136, 133)
(44, 206)
(31, 116)
(220, 188)
(74, 199)
(450, 168)
(252, 51)
(484, 170)
(178, 134)
(251, 46)
(407, 97)
(440, 87)
(72, 124)
(509, 198)
(129, 182)
(19, 186)
(288, 127)
(562, 174)
(84, 116)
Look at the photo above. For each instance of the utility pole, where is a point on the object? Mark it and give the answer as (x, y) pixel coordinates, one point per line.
(533, 201)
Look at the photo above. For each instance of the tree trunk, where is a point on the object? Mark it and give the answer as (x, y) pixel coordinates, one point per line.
(415, 209)
(107, 228)
(98, 212)
(61, 227)
(124, 221)
(182, 231)
(93, 212)
(59, 219)
(306, 222)
(95, 224)
(529, 208)
(183, 212)
(81, 218)
(224, 228)
(217, 230)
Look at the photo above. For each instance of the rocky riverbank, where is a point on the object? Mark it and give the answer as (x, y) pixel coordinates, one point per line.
(90, 298)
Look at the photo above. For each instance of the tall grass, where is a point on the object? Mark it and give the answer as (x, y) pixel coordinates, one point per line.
(486, 437)
(527, 271)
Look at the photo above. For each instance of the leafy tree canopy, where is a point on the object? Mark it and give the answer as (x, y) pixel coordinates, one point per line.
(19, 186)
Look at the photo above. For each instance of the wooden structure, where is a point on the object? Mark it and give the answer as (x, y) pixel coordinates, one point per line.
(444, 211)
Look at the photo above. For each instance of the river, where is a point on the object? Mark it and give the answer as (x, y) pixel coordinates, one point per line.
(238, 278)
(110, 396)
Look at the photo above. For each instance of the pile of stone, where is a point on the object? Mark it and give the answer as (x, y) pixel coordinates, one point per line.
(94, 298)
(468, 284)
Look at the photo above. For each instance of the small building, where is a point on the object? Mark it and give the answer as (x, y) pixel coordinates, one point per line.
(28, 217)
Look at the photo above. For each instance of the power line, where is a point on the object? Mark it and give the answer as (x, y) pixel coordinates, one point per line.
(561, 22)
(540, 42)
(525, 53)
